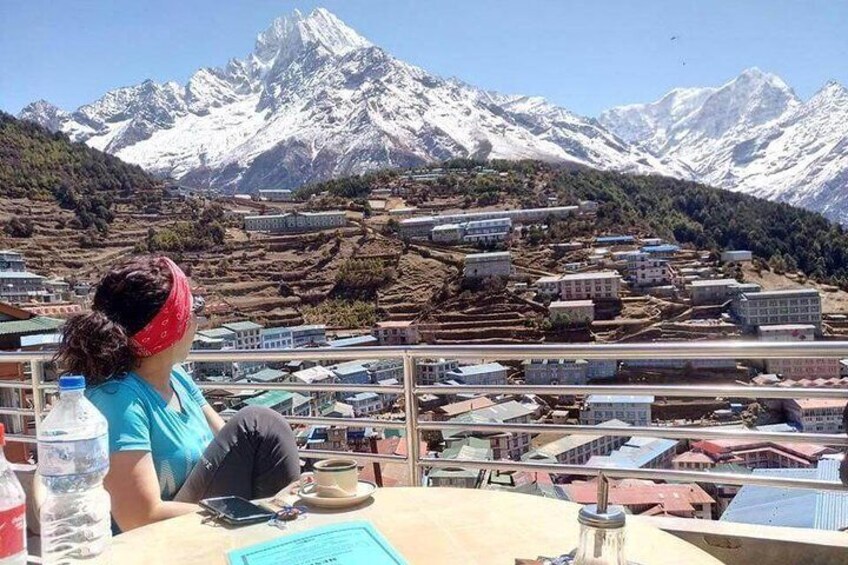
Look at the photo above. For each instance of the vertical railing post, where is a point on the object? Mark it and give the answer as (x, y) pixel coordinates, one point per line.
(413, 439)
(36, 378)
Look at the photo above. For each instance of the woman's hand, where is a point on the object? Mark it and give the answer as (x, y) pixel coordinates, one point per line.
(134, 488)
(216, 422)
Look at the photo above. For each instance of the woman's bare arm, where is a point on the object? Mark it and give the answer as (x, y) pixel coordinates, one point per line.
(134, 488)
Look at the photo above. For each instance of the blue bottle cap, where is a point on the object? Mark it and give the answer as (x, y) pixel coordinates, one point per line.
(71, 382)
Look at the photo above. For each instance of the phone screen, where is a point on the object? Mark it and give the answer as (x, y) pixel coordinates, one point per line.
(236, 508)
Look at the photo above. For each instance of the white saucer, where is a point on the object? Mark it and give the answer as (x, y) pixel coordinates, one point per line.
(364, 489)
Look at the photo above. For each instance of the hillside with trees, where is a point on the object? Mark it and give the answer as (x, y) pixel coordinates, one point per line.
(40, 165)
(784, 237)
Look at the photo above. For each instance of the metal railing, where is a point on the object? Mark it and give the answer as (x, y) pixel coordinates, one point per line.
(413, 425)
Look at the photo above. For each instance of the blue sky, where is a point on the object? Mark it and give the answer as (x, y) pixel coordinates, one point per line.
(586, 56)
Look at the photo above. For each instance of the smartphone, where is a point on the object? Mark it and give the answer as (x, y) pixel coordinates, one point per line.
(235, 510)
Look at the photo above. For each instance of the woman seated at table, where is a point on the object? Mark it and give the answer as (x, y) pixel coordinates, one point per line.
(168, 448)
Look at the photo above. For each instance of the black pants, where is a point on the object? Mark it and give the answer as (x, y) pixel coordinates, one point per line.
(253, 456)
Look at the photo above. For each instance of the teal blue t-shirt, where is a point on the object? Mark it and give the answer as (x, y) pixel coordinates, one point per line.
(140, 420)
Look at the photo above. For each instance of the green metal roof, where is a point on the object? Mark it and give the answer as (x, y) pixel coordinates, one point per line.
(242, 326)
(219, 333)
(38, 324)
(269, 399)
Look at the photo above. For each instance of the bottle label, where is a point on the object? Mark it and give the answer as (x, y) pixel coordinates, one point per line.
(12, 531)
(78, 457)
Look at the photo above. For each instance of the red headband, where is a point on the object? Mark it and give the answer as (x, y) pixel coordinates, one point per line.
(169, 325)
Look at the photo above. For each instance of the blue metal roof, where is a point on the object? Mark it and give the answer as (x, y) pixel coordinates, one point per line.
(477, 369)
(800, 508)
(619, 399)
(635, 454)
(615, 239)
(353, 341)
(663, 248)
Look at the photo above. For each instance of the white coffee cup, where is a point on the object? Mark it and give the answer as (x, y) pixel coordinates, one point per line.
(333, 478)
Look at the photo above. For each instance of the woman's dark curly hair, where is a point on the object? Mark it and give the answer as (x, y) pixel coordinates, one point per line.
(97, 344)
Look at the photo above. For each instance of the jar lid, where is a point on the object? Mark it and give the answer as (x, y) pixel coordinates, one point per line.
(611, 519)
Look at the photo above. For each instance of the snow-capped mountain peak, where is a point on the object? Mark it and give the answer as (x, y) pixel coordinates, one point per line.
(287, 36)
(752, 134)
(43, 112)
(314, 99)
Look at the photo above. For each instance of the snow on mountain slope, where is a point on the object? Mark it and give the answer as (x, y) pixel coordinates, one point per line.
(751, 135)
(315, 100)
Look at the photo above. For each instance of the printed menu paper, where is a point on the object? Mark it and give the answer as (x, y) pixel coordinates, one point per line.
(352, 543)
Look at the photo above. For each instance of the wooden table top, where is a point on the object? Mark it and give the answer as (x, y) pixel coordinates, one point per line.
(425, 525)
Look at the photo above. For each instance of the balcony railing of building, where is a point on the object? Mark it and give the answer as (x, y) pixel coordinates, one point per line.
(413, 425)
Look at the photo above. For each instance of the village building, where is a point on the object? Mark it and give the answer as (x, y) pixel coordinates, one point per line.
(365, 403)
(817, 415)
(483, 265)
(504, 445)
(396, 333)
(477, 375)
(794, 306)
(434, 371)
(309, 335)
(639, 453)
(648, 498)
(248, 335)
(633, 409)
(712, 291)
(736, 256)
(555, 371)
(276, 338)
(795, 368)
(276, 195)
(577, 449)
(573, 311)
(294, 222)
(582, 286)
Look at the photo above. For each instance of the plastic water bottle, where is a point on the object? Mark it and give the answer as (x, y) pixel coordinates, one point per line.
(73, 458)
(12, 513)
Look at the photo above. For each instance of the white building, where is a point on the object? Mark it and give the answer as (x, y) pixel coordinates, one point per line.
(487, 231)
(485, 374)
(435, 371)
(248, 335)
(316, 375)
(795, 306)
(817, 415)
(315, 334)
(712, 291)
(602, 368)
(365, 403)
(277, 338)
(582, 286)
(396, 332)
(295, 222)
(577, 449)
(482, 265)
(599, 408)
(821, 367)
(643, 269)
(555, 371)
(575, 311)
(276, 195)
(736, 256)
(447, 233)
(548, 285)
(423, 225)
(22, 286)
(504, 445)
(12, 261)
